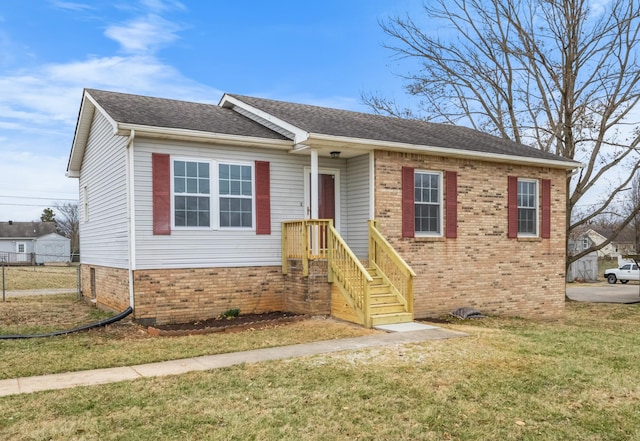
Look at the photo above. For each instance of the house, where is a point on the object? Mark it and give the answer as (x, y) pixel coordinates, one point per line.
(188, 210)
(623, 244)
(31, 243)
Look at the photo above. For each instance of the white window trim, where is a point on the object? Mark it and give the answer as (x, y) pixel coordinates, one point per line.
(440, 203)
(536, 207)
(214, 195)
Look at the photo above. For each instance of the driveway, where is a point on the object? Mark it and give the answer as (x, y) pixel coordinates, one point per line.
(602, 292)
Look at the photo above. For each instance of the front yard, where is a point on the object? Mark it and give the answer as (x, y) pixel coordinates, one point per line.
(510, 379)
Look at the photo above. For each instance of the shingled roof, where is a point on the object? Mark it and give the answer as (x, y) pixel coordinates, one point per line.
(366, 126)
(26, 230)
(174, 114)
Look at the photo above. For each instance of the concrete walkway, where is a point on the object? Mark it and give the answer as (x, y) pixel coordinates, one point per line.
(176, 367)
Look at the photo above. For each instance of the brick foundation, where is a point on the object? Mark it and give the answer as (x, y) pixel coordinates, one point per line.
(481, 268)
(108, 287)
(307, 294)
(187, 295)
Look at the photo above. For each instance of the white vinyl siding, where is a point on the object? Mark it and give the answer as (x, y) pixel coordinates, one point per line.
(223, 247)
(358, 194)
(104, 235)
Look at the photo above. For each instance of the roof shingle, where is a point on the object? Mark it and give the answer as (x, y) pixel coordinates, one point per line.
(160, 112)
(344, 123)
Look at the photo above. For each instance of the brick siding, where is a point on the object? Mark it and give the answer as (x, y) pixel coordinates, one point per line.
(111, 286)
(481, 268)
(187, 295)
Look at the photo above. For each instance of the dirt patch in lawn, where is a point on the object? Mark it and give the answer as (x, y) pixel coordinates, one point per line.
(226, 324)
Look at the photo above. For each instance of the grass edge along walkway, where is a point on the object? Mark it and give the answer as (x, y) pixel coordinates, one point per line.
(181, 366)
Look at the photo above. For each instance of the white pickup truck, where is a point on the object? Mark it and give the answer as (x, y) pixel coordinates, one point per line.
(626, 272)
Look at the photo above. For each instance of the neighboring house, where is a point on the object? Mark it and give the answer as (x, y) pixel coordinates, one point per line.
(188, 210)
(31, 243)
(623, 244)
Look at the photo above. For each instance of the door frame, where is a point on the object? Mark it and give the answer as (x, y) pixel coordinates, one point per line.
(335, 172)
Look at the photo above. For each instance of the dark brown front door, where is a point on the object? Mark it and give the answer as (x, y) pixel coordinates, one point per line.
(327, 197)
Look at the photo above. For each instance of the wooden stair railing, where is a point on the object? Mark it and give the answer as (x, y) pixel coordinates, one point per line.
(349, 276)
(393, 269)
(379, 295)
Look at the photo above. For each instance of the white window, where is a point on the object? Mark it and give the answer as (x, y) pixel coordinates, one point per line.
(212, 194)
(191, 194)
(236, 195)
(428, 202)
(21, 247)
(585, 243)
(527, 207)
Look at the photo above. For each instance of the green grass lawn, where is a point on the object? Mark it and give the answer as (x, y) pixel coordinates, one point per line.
(511, 379)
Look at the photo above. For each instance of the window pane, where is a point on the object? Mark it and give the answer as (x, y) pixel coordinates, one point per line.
(246, 188)
(246, 219)
(203, 170)
(192, 169)
(192, 185)
(203, 204)
(223, 171)
(192, 203)
(179, 185)
(224, 219)
(179, 168)
(234, 204)
(224, 187)
(203, 219)
(234, 171)
(179, 202)
(235, 188)
(180, 219)
(246, 173)
(245, 205)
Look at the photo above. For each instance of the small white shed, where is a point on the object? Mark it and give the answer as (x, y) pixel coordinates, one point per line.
(52, 248)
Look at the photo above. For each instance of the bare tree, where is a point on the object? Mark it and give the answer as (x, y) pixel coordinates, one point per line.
(554, 74)
(68, 223)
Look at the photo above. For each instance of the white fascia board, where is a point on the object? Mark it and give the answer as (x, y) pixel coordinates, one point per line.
(81, 136)
(299, 135)
(194, 135)
(319, 139)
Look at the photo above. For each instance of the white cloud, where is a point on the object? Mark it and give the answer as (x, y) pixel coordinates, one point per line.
(39, 107)
(144, 34)
(72, 6)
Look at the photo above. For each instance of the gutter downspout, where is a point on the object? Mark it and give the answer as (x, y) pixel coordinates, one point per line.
(131, 215)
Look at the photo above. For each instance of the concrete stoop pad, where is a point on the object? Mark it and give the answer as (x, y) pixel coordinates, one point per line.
(405, 327)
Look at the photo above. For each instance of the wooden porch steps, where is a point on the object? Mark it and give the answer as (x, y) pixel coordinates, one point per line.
(385, 307)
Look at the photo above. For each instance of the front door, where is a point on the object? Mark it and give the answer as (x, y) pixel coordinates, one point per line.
(328, 195)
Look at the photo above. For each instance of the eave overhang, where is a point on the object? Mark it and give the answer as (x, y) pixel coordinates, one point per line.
(340, 143)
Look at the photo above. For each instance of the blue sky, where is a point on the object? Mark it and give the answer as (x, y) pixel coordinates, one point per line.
(324, 52)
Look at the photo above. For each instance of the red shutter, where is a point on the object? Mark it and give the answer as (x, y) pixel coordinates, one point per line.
(161, 184)
(546, 209)
(408, 203)
(451, 204)
(263, 198)
(512, 207)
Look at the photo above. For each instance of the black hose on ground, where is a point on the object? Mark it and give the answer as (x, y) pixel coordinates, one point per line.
(99, 324)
